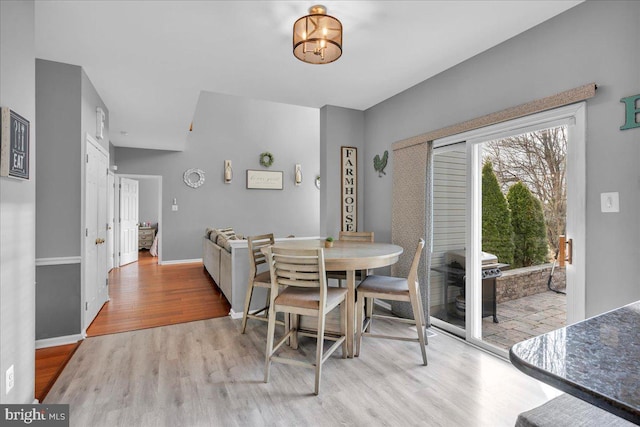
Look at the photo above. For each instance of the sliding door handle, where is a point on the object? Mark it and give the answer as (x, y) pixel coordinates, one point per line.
(565, 251)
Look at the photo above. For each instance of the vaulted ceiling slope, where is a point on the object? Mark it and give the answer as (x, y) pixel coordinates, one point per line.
(149, 60)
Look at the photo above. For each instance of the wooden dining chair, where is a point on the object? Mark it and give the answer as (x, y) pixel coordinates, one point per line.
(303, 273)
(396, 289)
(351, 236)
(260, 279)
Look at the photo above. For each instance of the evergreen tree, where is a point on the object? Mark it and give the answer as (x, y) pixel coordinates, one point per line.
(529, 229)
(497, 233)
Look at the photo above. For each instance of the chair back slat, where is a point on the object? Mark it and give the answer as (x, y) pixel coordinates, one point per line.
(298, 283)
(298, 267)
(356, 236)
(295, 275)
(256, 257)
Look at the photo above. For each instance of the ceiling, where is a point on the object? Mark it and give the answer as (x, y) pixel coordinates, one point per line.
(149, 60)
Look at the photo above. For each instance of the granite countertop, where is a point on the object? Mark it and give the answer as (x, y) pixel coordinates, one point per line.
(597, 360)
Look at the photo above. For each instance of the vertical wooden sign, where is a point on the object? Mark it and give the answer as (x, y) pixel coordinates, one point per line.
(349, 193)
(14, 145)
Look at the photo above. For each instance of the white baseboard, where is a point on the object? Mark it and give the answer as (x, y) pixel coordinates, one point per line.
(181, 261)
(235, 315)
(52, 342)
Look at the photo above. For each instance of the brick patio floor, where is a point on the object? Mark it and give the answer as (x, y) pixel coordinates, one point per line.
(524, 318)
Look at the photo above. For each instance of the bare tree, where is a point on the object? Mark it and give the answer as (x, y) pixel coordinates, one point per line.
(538, 159)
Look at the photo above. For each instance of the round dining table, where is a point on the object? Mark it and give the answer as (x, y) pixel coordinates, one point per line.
(350, 257)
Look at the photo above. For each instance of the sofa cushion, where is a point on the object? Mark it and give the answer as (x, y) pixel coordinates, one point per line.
(227, 232)
(223, 242)
(208, 232)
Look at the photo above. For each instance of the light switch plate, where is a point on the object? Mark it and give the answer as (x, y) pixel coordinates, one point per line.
(610, 202)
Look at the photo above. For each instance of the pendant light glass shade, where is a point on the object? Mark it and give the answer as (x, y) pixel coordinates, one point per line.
(317, 37)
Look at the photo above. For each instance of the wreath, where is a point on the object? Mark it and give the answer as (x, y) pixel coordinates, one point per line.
(266, 159)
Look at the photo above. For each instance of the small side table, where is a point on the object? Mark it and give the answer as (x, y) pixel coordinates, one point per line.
(145, 237)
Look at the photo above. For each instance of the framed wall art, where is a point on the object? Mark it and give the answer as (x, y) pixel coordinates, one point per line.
(14, 145)
(264, 180)
(349, 186)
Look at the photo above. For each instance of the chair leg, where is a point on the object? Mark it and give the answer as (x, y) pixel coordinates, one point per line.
(247, 303)
(343, 327)
(370, 313)
(424, 323)
(319, 350)
(359, 323)
(417, 308)
(270, 335)
(295, 325)
(287, 326)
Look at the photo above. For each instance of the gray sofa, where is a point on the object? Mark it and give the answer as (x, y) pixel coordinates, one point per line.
(225, 256)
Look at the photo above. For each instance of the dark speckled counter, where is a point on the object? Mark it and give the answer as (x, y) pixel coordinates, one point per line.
(596, 360)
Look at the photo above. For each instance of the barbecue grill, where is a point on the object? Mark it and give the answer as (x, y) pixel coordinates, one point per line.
(455, 275)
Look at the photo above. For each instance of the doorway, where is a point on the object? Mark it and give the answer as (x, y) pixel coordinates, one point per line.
(143, 232)
(466, 303)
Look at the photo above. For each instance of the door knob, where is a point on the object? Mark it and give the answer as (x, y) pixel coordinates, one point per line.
(99, 241)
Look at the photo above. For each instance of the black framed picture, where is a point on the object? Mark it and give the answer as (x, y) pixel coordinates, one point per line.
(14, 145)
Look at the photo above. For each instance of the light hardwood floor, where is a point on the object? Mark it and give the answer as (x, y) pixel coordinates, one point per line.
(145, 295)
(206, 373)
(49, 364)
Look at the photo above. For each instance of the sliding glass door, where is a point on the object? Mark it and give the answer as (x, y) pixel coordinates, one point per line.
(489, 220)
(447, 290)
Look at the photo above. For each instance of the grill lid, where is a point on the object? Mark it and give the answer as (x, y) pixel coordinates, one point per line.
(459, 257)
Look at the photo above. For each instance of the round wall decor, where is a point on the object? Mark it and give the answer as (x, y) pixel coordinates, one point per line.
(194, 178)
(266, 159)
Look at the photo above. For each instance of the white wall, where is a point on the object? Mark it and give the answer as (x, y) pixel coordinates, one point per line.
(593, 42)
(17, 208)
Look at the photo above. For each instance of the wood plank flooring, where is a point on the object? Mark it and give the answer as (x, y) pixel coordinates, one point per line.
(49, 364)
(143, 295)
(207, 373)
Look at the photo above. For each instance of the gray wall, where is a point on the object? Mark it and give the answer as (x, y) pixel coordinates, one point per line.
(58, 91)
(593, 42)
(339, 127)
(236, 129)
(66, 109)
(17, 207)
(149, 197)
(90, 101)
(57, 301)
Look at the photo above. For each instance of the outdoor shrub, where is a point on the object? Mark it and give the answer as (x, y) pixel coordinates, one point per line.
(497, 233)
(529, 229)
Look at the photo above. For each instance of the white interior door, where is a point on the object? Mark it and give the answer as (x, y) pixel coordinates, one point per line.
(95, 259)
(110, 221)
(128, 221)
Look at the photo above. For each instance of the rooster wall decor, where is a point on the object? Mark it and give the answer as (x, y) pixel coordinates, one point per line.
(380, 163)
